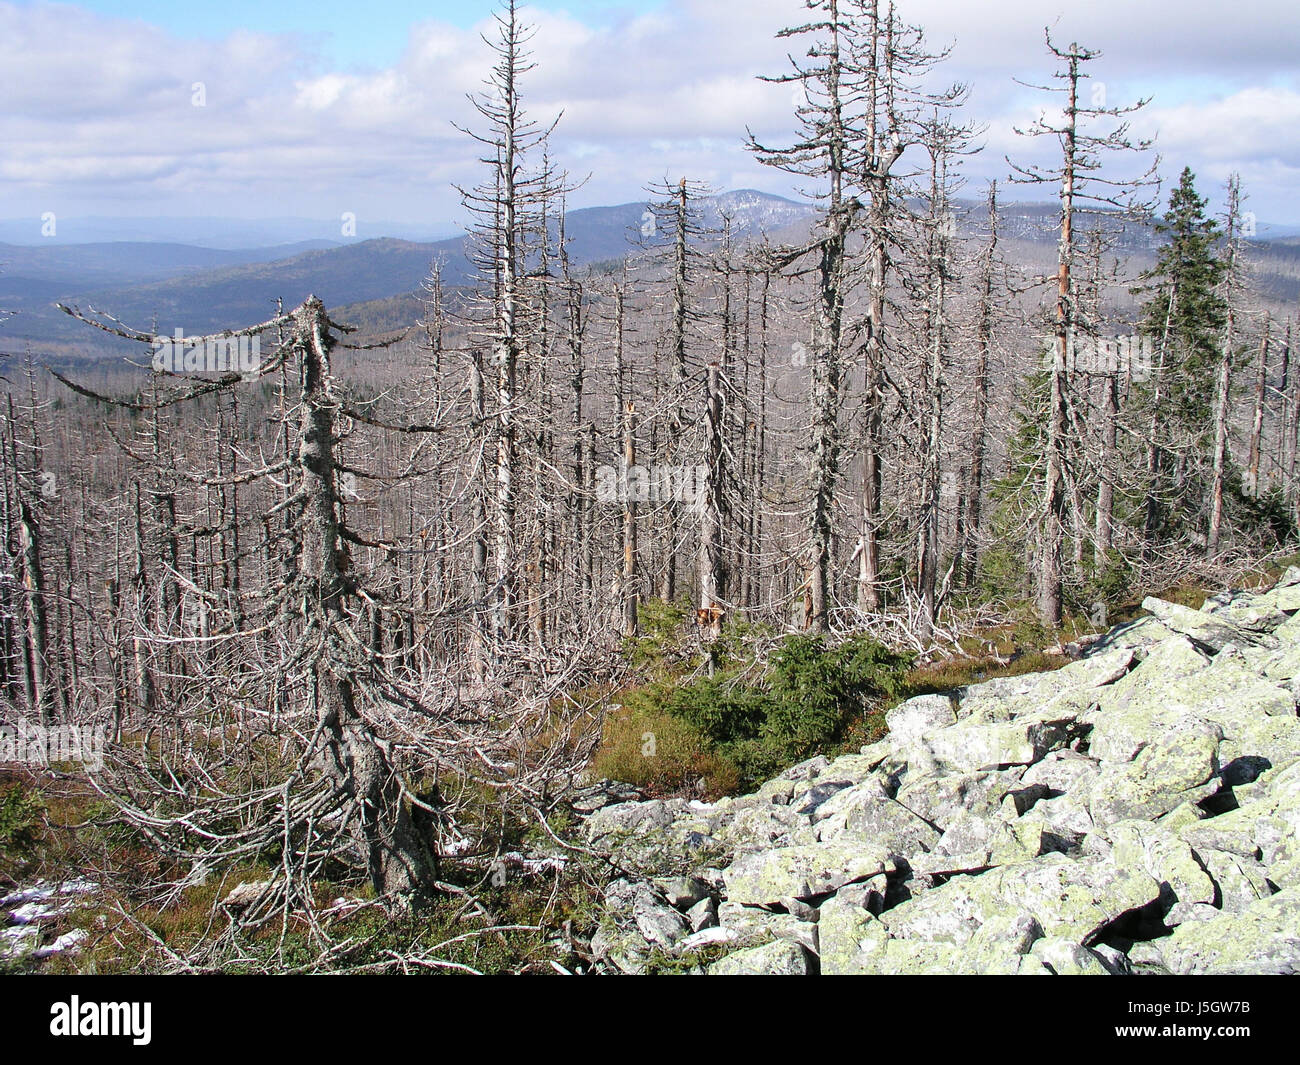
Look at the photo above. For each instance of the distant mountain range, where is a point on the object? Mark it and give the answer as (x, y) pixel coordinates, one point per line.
(228, 234)
(201, 289)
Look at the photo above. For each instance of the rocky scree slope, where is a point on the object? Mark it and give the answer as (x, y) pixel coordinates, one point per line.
(1137, 811)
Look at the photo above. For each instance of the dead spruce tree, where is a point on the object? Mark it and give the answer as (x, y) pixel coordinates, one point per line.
(311, 744)
(859, 111)
(27, 490)
(1083, 190)
(1231, 298)
(344, 786)
(672, 232)
(826, 151)
(993, 286)
(943, 141)
(509, 209)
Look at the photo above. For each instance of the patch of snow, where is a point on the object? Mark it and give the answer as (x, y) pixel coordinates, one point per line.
(67, 941)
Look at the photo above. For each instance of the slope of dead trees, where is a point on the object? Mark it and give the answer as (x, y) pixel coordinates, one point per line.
(339, 594)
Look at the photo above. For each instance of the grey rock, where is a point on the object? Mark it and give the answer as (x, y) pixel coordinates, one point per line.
(811, 801)
(1183, 912)
(972, 746)
(941, 799)
(1262, 938)
(761, 826)
(1164, 857)
(968, 834)
(910, 720)
(1140, 635)
(682, 892)
(1241, 882)
(766, 877)
(1073, 899)
(633, 818)
(1205, 630)
(774, 959)
(1065, 958)
(603, 793)
(1179, 764)
(800, 909)
(867, 791)
(884, 823)
(756, 924)
(1116, 961)
(1064, 773)
(704, 914)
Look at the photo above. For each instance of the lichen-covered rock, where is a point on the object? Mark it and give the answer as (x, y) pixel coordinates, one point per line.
(1139, 635)
(843, 928)
(774, 959)
(1240, 881)
(659, 924)
(1065, 958)
(910, 720)
(633, 818)
(836, 809)
(682, 892)
(942, 798)
(1262, 938)
(765, 877)
(1071, 899)
(1246, 611)
(756, 924)
(762, 825)
(1178, 765)
(970, 745)
(883, 822)
(1137, 811)
(1163, 857)
(704, 914)
(968, 834)
(1206, 630)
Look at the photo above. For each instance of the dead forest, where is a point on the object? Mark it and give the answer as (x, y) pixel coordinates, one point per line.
(345, 608)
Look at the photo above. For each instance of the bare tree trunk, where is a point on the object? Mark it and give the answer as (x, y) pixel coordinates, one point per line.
(713, 571)
(399, 861)
(1286, 449)
(479, 546)
(628, 586)
(678, 420)
(1105, 532)
(1156, 459)
(969, 548)
(31, 574)
(1223, 396)
(1257, 422)
(1053, 513)
(147, 695)
(826, 341)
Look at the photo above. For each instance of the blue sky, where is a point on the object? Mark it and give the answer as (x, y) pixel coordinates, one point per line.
(347, 33)
(317, 109)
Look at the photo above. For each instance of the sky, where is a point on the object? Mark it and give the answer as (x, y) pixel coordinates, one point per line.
(326, 109)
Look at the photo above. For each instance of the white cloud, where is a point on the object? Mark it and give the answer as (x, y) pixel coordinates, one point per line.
(99, 109)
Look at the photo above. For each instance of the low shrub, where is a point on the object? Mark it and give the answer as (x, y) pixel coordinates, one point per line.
(732, 733)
